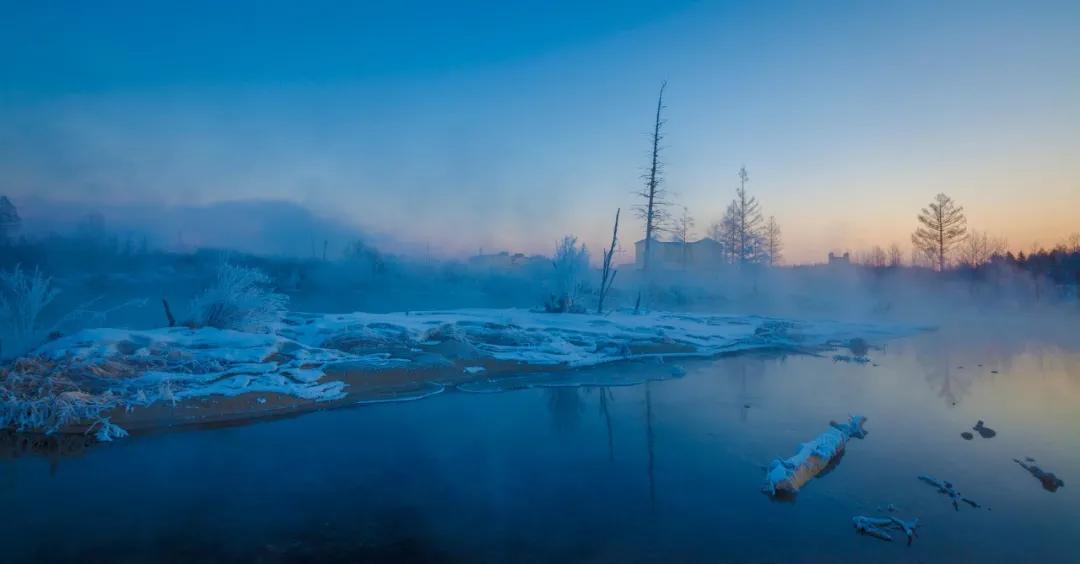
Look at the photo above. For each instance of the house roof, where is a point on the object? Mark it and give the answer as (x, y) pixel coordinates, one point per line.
(702, 241)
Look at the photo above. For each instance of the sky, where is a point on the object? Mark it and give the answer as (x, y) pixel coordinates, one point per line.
(456, 127)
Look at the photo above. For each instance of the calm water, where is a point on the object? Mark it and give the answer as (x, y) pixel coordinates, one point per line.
(665, 471)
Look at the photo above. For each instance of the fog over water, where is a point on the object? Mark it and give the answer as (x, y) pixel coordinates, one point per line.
(634, 281)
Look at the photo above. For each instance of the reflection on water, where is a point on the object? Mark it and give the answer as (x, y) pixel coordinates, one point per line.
(656, 469)
(650, 445)
(566, 405)
(950, 382)
(606, 396)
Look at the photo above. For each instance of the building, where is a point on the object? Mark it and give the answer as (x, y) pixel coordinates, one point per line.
(505, 261)
(703, 254)
(839, 260)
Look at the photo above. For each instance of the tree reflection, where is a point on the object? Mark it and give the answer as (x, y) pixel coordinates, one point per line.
(649, 444)
(744, 370)
(565, 406)
(605, 398)
(951, 384)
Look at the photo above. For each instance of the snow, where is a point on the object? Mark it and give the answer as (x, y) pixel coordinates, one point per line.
(789, 474)
(198, 362)
(573, 340)
(81, 378)
(879, 527)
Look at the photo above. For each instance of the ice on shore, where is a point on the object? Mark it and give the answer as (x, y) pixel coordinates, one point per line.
(85, 378)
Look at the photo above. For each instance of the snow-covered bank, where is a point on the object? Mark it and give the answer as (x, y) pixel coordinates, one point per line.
(572, 340)
(105, 380)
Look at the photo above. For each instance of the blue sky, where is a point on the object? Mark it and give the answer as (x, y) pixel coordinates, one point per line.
(504, 125)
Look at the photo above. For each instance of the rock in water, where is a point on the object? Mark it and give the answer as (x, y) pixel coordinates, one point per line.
(984, 431)
(967, 436)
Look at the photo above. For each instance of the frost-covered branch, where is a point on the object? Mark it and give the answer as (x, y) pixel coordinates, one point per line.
(607, 273)
(22, 299)
(241, 300)
(571, 261)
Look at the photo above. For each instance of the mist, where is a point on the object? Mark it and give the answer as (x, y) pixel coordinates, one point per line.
(646, 281)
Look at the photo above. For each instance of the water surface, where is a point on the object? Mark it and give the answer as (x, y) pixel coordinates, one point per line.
(664, 471)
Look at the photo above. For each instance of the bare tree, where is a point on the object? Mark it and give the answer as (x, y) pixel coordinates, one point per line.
(1072, 243)
(979, 247)
(607, 274)
(727, 233)
(896, 256)
(653, 209)
(748, 222)
(874, 258)
(774, 244)
(682, 231)
(942, 227)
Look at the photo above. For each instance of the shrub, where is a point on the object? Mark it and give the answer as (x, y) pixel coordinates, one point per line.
(240, 299)
(571, 261)
(22, 299)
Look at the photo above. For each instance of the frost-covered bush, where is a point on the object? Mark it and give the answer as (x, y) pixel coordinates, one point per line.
(240, 299)
(571, 262)
(22, 299)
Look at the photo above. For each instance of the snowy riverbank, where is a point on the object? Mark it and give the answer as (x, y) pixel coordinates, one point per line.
(105, 380)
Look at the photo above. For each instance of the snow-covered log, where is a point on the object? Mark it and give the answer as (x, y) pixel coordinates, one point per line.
(787, 475)
(879, 527)
(945, 487)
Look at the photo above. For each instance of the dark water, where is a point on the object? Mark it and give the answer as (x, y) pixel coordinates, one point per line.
(666, 471)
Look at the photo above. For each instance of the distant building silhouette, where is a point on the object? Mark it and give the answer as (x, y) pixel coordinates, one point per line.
(505, 261)
(839, 260)
(703, 254)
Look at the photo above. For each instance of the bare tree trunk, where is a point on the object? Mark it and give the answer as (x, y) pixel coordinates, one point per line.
(941, 246)
(654, 180)
(168, 313)
(607, 275)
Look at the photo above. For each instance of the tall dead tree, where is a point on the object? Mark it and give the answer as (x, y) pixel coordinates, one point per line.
(607, 274)
(653, 209)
